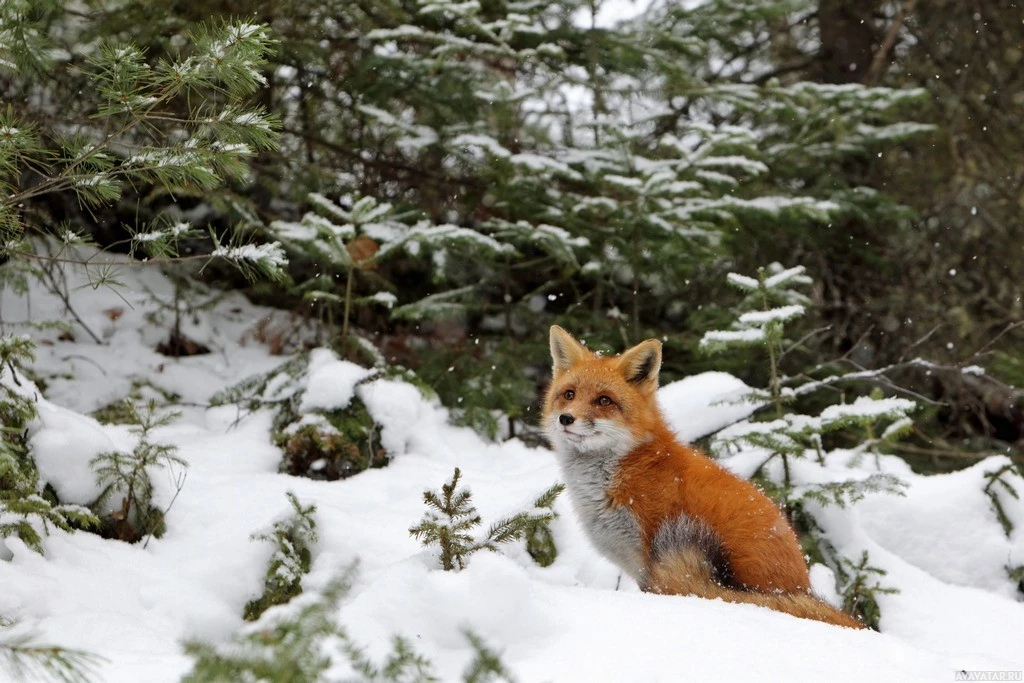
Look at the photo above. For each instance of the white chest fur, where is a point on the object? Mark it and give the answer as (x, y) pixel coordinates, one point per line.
(611, 528)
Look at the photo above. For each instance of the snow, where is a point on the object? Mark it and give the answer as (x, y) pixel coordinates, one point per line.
(484, 142)
(941, 544)
(742, 281)
(754, 334)
(63, 442)
(780, 314)
(331, 382)
(702, 404)
(794, 274)
(946, 526)
(543, 164)
(865, 406)
(386, 299)
(425, 233)
(752, 166)
(270, 253)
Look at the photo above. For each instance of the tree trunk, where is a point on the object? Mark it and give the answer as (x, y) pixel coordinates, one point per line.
(848, 39)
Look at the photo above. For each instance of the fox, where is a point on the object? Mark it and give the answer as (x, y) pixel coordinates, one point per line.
(666, 514)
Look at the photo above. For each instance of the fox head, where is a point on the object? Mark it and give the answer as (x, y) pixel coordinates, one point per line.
(599, 403)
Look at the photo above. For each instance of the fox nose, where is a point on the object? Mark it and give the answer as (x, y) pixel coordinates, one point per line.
(566, 419)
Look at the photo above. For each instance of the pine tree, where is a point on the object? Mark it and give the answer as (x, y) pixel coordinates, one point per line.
(543, 169)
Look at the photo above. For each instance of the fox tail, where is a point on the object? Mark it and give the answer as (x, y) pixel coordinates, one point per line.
(688, 571)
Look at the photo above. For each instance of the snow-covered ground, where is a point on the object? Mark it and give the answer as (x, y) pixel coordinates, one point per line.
(576, 620)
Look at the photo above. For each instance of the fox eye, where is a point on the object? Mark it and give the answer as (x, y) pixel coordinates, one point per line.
(569, 394)
(603, 401)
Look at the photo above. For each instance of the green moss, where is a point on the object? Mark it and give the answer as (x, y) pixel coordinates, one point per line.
(349, 445)
(540, 543)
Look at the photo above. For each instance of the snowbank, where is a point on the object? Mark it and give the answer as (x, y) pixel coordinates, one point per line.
(575, 620)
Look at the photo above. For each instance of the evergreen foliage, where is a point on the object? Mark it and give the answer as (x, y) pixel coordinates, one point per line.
(180, 124)
(860, 586)
(292, 649)
(770, 302)
(997, 483)
(502, 165)
(318, 443)
(293, 538)
(26, 659)
(486, 665)
(26, 511)
(127, 476)
(302, 646)
(263, 390)
(452, 518)
(540, 541)
(761, 317)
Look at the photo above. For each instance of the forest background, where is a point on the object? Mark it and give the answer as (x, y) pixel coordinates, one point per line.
(536, 162)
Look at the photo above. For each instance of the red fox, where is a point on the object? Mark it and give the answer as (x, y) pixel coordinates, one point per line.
(669, 516)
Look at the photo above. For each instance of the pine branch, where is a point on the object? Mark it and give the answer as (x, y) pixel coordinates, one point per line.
(27, 659)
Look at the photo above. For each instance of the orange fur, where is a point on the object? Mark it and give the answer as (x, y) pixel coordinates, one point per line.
(611, 404)
(688, 573)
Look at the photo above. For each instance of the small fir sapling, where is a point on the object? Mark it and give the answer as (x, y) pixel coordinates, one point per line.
(452, 517)
(128, 477)
(27, 510)
(292, 648)
(293, 538)
(769, 304)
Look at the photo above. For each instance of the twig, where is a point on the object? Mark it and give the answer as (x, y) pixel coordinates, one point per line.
(1009, 328)
(918, 450)
(802, 339)
(878, 61)
(179, 484)
(87, 359)
(920, 341)
(50, 281)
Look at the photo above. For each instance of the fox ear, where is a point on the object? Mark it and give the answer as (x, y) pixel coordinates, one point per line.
(565, 350)
(640, 364)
